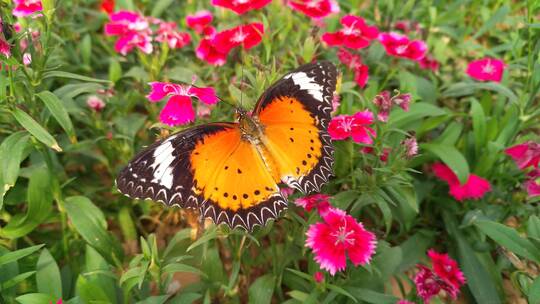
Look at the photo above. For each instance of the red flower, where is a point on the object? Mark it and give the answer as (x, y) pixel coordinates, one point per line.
(199, 21)
(339, 236)
(427, 285)
(107, 6)
(532, 185)
(525, 155)
(241, 6)
(355, 126)
(133, 31)
(95, 103)
(400, 46)
(318, 277)
(354, 62)
(168, 33)
(486, 69)
(208, 52)
(315, 8)
(319, 201)
(25, 8)
(5, 48)
(447, 269)
(247, 36)
(355, 34)
(475, 187)
(428, 62)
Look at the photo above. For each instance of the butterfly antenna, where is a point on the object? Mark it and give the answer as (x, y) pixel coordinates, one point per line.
(241, 82)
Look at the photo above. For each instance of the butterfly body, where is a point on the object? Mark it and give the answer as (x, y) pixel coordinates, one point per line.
(232, 171)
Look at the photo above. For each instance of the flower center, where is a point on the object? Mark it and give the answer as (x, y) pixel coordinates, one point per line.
(240, 2)
(401, 49)
(343, 236)
(488, 68)
(313, 3)
(239, 37)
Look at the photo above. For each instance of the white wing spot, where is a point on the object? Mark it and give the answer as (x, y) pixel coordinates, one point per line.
(163, 157)
(307, 83)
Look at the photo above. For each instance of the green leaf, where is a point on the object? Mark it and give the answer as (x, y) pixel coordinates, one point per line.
(62, 74)
(154, 300)
(479, 126)
(160, 6)
(36, 298)
(48, 276)
(341, 291)
(90, 223)
(178, 267)
(452, 158)
(16, 280)
(186, 298)
(461, 89)
(399, 118)
(115, 70)
(11, 156)
(262, 289)
(533, 294)
(533, 226)
(210, 234)
(479, 281)
(18, 254)
(371, 296)
(510, 239)
(40, 201)
(450, 135)
(497, 17)
(57, 109)
(35, 129)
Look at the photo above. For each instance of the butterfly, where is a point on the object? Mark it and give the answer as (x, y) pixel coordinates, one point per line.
(231, 171)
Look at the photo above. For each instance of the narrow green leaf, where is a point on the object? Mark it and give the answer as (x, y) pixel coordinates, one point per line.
(209, 235)
(479, 126)
(57, 109)
(497, 17)
(341, 291)
(461, 89)
(90, 223)
(154, 300)
(178, 267)
(16, 280)
(452, 158)
(18, 254)
(62, 74)
(371, 296)
(533, 294)
(35, 129)
(11, 156)
(48, 277)
(36, 298)
(399, 118)
(262, 289)
(159, 7)
(510, 239)
(533, 226)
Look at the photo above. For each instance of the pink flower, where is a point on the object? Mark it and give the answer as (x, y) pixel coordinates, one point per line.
(241, 6)
(318, 277)
(95, 103)
(475, 187)
(168, 33)
(107, 6)
(427, 285)
(525, 155)
(354, 62)
(179, 108)
(25, 8)
(447, 270)
(404, 302)
(339, 236)
(315, 8)
(428, 62)
(335, 103)
(199, 21)
(407, 26)
(208, 52)
(27, 58)
(411, 147)
(286, 192)
(319, 201)
(204, 110)
(532, 184)
(355, 126)
(401, 46)
(383, 102)
(133, 31)
(355, 34)
(403, 101)
(486, 69)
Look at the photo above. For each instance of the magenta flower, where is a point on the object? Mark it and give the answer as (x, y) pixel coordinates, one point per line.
(315, 8)
(404, 302)
(355, 126)
(355, 34)
(208, 52)
(95, 103)
(199, 21)
(318, 277)
(179, 109)
(25, 8)
(286, 192)
(133, 32)
(401, 46)
(168, 33)
(241, 6)
(319, 201)
(525, 155)
(411, 147)
(427, 285)
(486, 69)
(5, 48)
(406, 26)
(339, 236)
(448, 270)
(475, 187)
(27, 59)
(532, 185)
